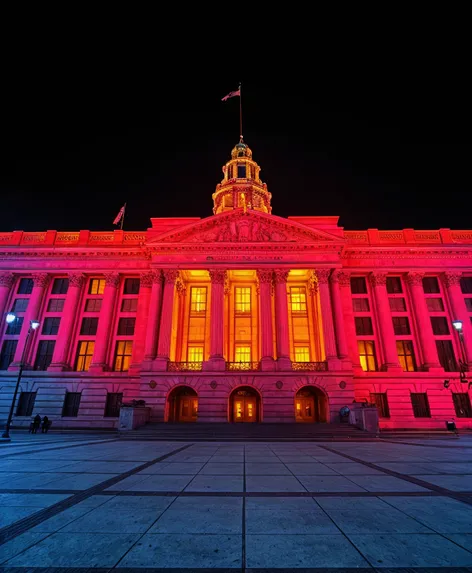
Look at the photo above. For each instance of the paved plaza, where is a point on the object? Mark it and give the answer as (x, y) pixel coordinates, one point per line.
(98, 501)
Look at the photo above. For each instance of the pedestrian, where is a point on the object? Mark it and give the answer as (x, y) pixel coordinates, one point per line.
(36, 423)
(45, 426)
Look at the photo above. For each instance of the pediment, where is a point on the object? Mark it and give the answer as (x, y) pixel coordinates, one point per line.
(248, 227)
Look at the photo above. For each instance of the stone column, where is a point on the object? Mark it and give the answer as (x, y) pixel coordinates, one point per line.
(40, 281)
(145, 290)
(216, 361)
(344, 283)
(327, 319)
(460, 312)
(339, 327)
(6, 282)
(281, 320)
(378, 281)
(167, 314)
(424, 328)
(265, 299)
(68, 320)
(313, 292)
(104, 334)
(152, 328)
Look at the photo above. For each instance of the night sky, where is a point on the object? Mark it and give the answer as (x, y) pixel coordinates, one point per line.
(387, 154)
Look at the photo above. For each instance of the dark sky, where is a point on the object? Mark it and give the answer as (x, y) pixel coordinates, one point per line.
(387, 152)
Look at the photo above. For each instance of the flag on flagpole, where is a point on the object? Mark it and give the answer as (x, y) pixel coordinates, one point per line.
(120, 215)
(231, 94)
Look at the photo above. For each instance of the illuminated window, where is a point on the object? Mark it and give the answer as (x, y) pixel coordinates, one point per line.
(195, 354)
(242, 354)
(124, 349)
(84, 355)
(406, 356)
(198, 299)
(302, 354)
(367, 355)
(242, 299)
(298, 299)
(97, 286)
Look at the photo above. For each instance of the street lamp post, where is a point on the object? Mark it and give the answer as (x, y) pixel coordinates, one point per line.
(10, 318)
(457, 324)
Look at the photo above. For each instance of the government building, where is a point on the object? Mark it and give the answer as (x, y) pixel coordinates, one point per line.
(242, 316)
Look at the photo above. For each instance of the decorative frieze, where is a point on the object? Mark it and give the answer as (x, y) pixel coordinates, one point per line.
(76, 280)
(7, 280)
(101, 237)
(452, 278)
(134, 237)
(64, 237)
(33, 238)
(112, 279)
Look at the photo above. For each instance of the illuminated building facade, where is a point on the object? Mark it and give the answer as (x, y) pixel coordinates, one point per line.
(242, 316)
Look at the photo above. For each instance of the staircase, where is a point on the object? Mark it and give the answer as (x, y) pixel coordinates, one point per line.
(264, 432)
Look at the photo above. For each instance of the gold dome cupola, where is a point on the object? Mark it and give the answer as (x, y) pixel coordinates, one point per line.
(241, 187)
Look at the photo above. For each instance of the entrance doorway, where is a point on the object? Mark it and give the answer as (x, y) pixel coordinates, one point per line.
(311, 405)
(244, 405)
(183, 405)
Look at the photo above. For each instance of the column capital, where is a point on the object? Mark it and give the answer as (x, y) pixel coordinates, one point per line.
(281, 275)
(7, 280)
(112, 279)
(452, 278)
(322, 275)
(414, 278)
(378, 278)
(146, 280)
(180, 286)
(343, 278)
(313, 284)
(217, 276)
(76, 280)
(265, 275)
(41, 280)
(170, 275)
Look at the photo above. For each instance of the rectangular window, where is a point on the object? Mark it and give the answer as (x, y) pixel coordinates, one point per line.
(367, 355)
(126, 326)
(124, 349)
(51, 325)
(25, 286)
(8, 353)
(26, 404)
(466, 285)
(435, 304)
(198, 300)
(468, 304)
(15, 326)
(401, 325)
(242, 299)
(93, 305)
(358, 285)
(89, 326)
(131, 286)
(363, 325)
(302, 354)
(241, 171)
(298, 299)
(129, 305)
(195, 354)
(20, 304)
(56, 305)
(71, 404)
(242, 354)
(113, 404)
(394, 285)
(440, 325)
(397, 304)
(96, 286)
(431, 285)
(44, 354)
(406, 355)
(84, 355)
(60, 286)
(462, 405)
(380, 400)
(420, 405)
(446, 355)
(360, 305)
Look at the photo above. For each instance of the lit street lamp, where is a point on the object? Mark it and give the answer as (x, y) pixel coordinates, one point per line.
(457, 324)
(34, 324)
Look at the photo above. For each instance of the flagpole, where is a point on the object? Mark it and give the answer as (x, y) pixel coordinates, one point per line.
(240, 114)
(123, 217)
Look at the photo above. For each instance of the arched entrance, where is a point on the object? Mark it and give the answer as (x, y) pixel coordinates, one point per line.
(244, 405)
(182, 405)
(311, 405)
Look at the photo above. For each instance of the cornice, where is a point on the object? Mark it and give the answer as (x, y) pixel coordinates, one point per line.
(177, 248)
(49, 254)
(446, 253)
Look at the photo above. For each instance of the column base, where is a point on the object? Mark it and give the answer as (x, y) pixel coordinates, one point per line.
(346, 364)
(267, 364)
(15, 366)
(433, 368)
(135, 369)
(97, 368)
(392, 368)
(58, 367)
(160, 363)
(334, 364)
(284, 363)
(217, 363)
